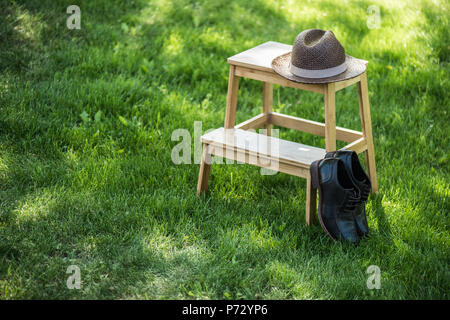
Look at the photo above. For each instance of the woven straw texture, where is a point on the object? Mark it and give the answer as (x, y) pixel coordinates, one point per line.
(316, 49)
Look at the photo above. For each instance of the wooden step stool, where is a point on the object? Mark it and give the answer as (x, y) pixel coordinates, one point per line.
(291, 158)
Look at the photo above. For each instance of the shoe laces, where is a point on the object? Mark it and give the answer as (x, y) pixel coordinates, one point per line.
(352, 202)
(365, 191)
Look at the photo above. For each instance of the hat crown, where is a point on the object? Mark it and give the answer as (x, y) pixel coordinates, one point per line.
(316, 49)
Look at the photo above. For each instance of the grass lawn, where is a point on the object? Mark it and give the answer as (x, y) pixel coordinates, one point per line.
(86, 176)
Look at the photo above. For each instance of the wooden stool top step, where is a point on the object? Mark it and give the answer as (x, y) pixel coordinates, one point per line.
(256, 63)
(260, 57)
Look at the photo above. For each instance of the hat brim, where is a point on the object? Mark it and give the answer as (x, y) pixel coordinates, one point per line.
(355, 67)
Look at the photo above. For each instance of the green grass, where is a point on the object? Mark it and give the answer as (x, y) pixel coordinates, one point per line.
(86, 177)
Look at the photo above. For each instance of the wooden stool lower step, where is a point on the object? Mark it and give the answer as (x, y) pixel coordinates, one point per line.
(262, 151)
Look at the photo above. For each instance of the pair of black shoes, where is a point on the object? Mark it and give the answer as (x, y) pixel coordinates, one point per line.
(343, 191)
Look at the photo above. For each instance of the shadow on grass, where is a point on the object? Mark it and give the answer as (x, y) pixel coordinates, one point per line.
(379, 213)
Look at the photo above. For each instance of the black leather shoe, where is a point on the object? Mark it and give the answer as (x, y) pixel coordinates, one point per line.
(338, 198)
(359, 178)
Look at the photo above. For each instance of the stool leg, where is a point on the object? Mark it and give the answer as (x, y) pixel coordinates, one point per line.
(230, 112)
(311, 194)
(330, 117)
(203, 174)
(267, 104)
(366, 124)
(233, 87)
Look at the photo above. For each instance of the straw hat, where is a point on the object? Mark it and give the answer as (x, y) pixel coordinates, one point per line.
(317, 57)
